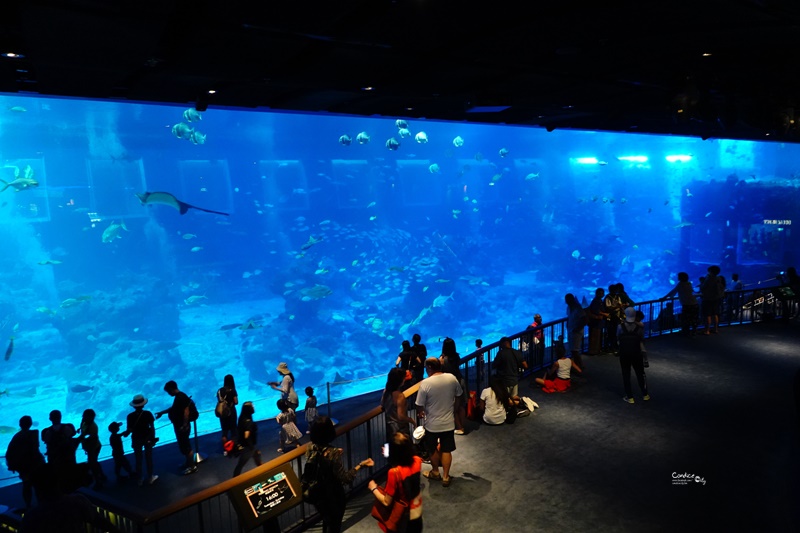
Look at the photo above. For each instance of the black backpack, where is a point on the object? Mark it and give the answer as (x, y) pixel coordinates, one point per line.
(193, 413)
(629, 340)
(317, 480)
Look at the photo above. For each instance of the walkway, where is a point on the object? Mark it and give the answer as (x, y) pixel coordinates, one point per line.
(722, 409)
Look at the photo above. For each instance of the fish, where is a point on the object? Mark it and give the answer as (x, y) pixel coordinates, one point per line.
(80, 388)
(8, 430)
(404, 132)
(688, 194)
(440, 300)
(371, 204)
(197, 138)
(72, 302)
(182, 130)
(187, 236)
(401, 124)
(49, 262)
(192, 115)
(458, 142)
(708, 214)
(362, 138)
(421, 137)
(392, 144)
(9, 351)
(19, 184)
(434, 169)
(576, 254)
(194, 299)
(442, 281)
(250, 324)
(532, 176)
(45, 310)
(113, 231)
(345, 140)
(683, 225)
(165, 198)
(503, 152)
(18, 109)
(598, 257)
(196, 248)
(310, 242)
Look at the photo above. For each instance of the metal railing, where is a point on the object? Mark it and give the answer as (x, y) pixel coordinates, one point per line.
(211, 511)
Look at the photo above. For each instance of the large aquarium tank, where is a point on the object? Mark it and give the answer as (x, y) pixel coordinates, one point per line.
(144, 243)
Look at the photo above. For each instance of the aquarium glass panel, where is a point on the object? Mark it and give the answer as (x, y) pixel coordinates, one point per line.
(144, 243)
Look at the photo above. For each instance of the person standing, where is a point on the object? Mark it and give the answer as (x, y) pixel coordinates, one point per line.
(118, 453)
(141, 427)
(90, 442)
(597, 318)
(179, 416)
(394, 405)
(247, 438)
(23, 456)
(436, 402)
(507, 363)
(320, 450)
(286, 386)
(630, 336)
(712, 291)
(576, 322)
(227, 394)
(689, 308)
(451, 364)
(418, 360)
(58, 438)
(536, 340)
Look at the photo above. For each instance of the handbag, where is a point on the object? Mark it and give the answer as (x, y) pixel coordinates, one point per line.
(222, 410)
(394, 517)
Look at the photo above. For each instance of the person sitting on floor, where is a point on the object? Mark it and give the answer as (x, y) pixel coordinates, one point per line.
(495, 402)
(561, 368)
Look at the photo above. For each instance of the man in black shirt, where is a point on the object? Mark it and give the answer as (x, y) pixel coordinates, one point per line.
(179, 416)
(507, 363)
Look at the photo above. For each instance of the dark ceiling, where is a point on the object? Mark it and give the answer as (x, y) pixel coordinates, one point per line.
(719, 68)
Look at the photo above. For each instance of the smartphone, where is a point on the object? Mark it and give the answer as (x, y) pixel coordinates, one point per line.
(386, 450)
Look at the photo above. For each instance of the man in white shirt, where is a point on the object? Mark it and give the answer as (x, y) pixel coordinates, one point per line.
(437, 399)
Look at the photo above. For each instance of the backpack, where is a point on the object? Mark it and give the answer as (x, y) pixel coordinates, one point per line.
(223, 409)
(193, 414)
(629, 341)
(317, 479)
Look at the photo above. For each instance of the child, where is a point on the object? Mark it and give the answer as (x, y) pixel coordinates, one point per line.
(118, 452)
(289, 434)
(311, 408)
(640, 322)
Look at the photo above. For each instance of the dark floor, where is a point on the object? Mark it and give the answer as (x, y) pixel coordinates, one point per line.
(722, 409)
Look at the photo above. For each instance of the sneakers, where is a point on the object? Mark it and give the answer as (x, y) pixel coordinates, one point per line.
(154, 478)
(626, 399)
(191, 470)
(459, 432)
(646, 397)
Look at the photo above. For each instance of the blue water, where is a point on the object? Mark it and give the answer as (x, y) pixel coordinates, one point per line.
(333, 254)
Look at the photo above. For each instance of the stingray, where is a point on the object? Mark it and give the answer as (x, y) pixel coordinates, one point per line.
(165, 198)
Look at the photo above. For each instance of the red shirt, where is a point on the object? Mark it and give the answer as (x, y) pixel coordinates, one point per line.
(396, 477)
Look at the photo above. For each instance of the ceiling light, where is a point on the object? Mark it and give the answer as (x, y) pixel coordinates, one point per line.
(12, 55)
(212, 91)
(706, 54)
(368, 88)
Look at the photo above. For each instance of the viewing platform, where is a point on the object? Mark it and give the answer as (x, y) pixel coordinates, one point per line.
(717, 448)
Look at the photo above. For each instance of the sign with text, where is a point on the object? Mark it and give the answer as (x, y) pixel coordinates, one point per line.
(266, 496)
